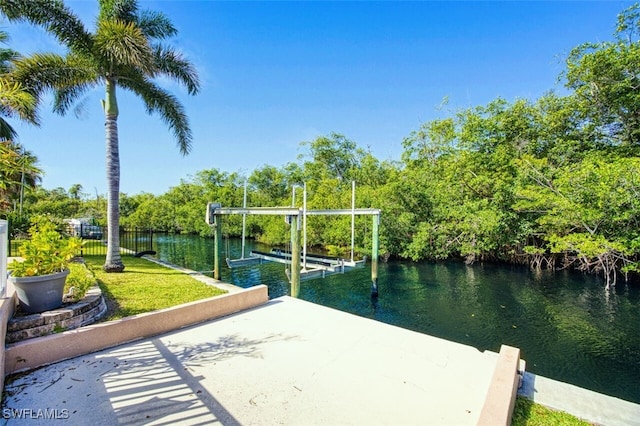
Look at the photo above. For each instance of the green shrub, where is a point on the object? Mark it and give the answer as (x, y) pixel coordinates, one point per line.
(78, 281)
(46, 252)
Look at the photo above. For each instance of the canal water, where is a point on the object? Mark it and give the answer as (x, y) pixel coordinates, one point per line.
(566, 325)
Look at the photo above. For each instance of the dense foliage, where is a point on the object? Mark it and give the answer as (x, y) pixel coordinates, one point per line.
(552, 182)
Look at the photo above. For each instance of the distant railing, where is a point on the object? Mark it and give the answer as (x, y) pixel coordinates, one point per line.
(133, 241)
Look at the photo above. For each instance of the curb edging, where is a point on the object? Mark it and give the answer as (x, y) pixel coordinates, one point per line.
(36, 352)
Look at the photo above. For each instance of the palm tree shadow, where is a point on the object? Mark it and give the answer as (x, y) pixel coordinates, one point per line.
(224, 348)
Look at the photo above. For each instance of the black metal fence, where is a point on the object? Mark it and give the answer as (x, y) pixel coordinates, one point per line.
(136, 241)
(133, 241)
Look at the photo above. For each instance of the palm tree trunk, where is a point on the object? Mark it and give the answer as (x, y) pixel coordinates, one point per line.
(113, 262)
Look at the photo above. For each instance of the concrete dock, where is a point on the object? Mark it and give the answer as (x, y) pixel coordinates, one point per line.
(286, 362)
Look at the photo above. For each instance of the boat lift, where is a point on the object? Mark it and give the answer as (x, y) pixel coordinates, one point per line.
(313, 265)
(293, 215)
(243, 261)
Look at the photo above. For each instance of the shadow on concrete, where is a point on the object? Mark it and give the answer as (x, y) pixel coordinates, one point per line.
(528, 387)
(224, 348)
(152, 382)
(146, 382)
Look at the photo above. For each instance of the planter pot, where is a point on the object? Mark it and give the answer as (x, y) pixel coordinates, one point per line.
(41, 293)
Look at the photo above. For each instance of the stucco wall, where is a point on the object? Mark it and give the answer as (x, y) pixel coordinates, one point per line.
(45, 350)
(7, 308)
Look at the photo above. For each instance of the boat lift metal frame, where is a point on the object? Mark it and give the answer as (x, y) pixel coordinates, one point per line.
(215, 211)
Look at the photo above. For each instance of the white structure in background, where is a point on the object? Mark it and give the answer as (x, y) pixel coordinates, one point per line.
(83, 228)
(4, 241)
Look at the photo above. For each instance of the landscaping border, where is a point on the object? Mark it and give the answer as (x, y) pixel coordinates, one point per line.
(88, 310)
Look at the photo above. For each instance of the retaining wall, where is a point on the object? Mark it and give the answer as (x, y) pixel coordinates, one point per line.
(7, 308)
(39, 351)
(90, 309)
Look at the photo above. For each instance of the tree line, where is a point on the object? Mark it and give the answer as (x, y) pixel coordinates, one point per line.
(550, 183)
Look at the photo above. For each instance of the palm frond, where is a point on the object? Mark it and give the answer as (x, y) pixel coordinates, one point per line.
(54, 16)
(80, 108)
(16, 101)
(167, 106)
(68, 77)
(47, 71)
(118, 10)
(173, 64)
(6, 55)
(67, 96)
(120, 44)
(27, 162)
(6, 131)
(18, 168)
(156, 25)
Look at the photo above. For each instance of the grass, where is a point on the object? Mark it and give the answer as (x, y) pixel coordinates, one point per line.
(528, 413)
(145, 286)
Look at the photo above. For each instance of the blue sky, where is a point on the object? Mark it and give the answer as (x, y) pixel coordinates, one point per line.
(275, 74)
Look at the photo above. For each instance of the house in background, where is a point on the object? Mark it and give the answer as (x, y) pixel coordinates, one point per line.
(84, 228)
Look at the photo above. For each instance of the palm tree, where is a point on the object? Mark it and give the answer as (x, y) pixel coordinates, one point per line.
(75, 190)
(18, 170)
(17, 165)
(15, 100)
(126, 51)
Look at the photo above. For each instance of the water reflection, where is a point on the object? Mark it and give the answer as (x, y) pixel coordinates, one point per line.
(567, 326)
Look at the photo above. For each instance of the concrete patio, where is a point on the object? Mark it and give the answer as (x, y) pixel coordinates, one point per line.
(285, 362)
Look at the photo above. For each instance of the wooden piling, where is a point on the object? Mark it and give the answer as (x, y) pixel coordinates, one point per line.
(217, 247)
(295, 256)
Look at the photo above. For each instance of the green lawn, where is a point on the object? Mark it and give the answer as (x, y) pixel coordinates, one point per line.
(528, 413)
(145, 286)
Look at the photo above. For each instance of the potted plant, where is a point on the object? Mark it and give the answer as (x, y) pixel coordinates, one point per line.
(39, 276)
